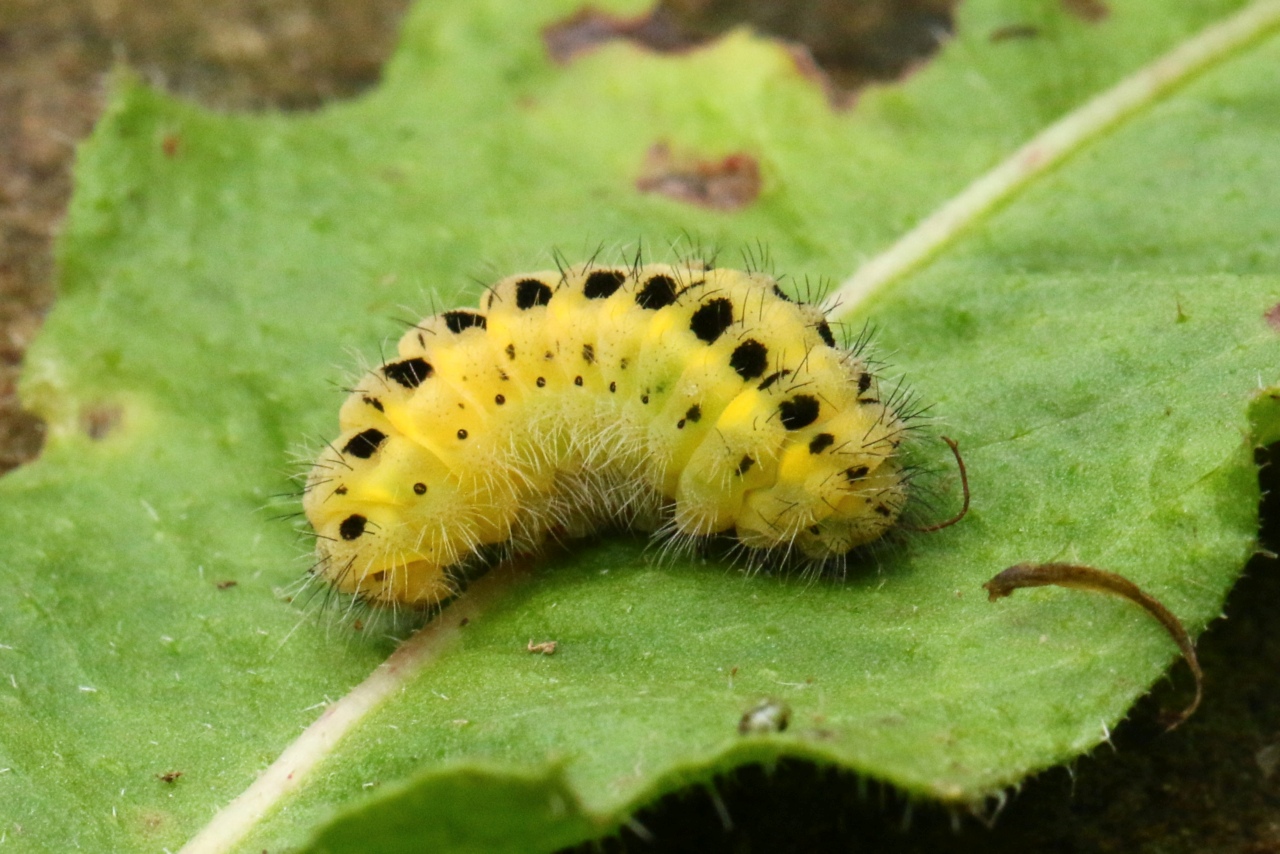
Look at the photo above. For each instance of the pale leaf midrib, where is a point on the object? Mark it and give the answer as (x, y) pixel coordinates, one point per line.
(238, 818)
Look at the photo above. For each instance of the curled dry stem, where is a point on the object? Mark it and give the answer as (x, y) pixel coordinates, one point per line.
(1082, 577)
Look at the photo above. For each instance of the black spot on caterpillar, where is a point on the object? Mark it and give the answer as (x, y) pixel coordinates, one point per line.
(363, 445)
(456, 321)
(352, 527)
(749, 359)
(603, 283)
(711, 319)
(476, 441)
(821, 442)
(410, 373)
(799, 412)
(530, 293)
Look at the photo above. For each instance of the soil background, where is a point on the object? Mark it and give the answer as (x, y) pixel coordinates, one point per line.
(1211, 786)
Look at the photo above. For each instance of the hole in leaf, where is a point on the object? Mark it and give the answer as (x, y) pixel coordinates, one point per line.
(842, 46)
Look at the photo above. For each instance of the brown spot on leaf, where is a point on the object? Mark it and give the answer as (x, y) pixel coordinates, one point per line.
(730, 183)
(99, 420)
(1010, 32)
(1273, 317)
(153, 822)
(171, 145)
(1091, 11)
(842, 46)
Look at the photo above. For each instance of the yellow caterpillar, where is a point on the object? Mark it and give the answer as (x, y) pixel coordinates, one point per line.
(677, 399)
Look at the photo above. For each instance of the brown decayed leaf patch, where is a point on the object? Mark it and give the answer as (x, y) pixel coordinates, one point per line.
(729, 183)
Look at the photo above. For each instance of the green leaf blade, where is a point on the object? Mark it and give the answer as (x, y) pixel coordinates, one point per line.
(1097, 346)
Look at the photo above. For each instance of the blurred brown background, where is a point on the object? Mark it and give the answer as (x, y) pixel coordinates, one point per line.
(54, 59)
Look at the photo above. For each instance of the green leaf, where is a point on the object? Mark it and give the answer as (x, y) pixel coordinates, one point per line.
(1098, 346)
(487, 811)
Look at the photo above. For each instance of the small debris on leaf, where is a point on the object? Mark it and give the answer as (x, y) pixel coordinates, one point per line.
(767, 716)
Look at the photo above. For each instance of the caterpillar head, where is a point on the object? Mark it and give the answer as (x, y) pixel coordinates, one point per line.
(385, 514)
